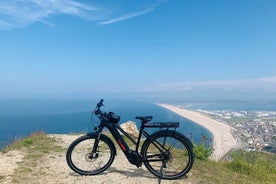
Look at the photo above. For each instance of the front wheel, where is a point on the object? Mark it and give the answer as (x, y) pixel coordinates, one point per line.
(168, 154)
(80, 158)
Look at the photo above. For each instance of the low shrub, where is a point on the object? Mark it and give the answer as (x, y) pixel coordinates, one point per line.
(201, 151)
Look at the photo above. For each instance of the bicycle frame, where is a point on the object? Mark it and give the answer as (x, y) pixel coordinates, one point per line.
(133, 156)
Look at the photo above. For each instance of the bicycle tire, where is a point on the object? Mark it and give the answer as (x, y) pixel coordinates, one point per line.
(168, 154)
(78, 152)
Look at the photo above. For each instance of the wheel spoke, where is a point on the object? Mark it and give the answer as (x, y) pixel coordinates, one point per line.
(167, 151)
(83, 161)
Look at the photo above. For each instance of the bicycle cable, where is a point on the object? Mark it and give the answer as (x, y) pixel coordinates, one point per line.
(93, 121)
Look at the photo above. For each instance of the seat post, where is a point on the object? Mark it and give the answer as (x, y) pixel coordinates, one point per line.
(141, 130)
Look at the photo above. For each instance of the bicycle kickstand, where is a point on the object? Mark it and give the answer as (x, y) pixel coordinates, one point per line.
(161, 172)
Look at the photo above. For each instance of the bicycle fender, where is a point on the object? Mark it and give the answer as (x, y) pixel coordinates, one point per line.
(105, 138)
(186, 139)
(173, 132)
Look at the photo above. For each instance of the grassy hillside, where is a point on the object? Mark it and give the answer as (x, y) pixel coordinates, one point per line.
(246, 167)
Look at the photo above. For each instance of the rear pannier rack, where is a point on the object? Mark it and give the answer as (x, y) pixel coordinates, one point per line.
(162, 125)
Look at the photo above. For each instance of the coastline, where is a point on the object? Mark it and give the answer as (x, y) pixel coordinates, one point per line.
(223, 140)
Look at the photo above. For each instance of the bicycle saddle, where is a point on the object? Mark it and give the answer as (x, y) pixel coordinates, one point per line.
(144, 119)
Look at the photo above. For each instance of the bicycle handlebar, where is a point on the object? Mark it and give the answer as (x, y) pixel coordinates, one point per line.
(97, 109)
(111, 117)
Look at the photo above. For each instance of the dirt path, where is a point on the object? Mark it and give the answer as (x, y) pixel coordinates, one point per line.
(53, 169)
(8, 163)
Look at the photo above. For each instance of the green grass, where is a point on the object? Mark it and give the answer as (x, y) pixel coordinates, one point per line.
(246, 168)
(37, 141)
(254, 164)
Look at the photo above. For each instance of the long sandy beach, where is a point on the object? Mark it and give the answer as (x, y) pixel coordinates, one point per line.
(223, 140)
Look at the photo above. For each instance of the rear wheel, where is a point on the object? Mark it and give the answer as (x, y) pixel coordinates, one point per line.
(168, 154)
(80, 158)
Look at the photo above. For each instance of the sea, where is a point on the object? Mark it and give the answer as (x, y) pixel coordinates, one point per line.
(21, 117)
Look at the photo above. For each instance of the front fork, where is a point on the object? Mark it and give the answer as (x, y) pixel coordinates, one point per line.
(94, 153)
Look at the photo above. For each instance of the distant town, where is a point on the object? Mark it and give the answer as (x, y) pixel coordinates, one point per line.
(255, 129)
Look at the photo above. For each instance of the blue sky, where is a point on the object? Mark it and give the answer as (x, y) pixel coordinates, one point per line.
(181, 48)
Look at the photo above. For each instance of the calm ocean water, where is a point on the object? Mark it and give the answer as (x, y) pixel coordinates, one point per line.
(20, 117)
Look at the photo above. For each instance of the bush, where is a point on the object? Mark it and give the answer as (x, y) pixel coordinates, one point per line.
(201, 151)
(27, 142)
